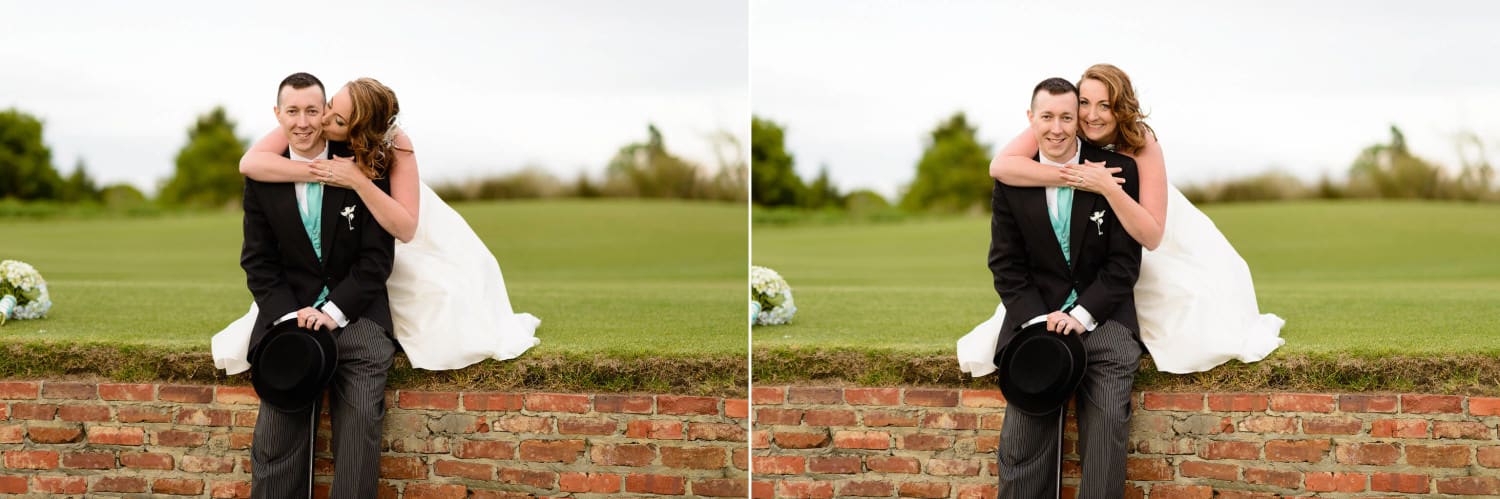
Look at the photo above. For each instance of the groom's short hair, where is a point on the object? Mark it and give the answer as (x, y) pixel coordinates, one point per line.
(299, 81)
(1053, 86)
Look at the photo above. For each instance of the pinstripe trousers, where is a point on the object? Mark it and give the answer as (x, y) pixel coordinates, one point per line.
(280, 453)
(1028, 444)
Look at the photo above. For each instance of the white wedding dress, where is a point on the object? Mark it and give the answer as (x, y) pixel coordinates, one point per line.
(1194, 300)
(447, 298)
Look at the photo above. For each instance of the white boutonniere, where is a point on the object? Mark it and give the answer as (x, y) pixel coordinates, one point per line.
(349, 214)
(1098, 219)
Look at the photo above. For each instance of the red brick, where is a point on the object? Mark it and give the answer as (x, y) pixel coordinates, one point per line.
(141, 414)
(779, 465)
(396, 467)
(988, 444)
(228, 490)
(1173, 446)
(931, 397)
(1378, 454)
(484, 449)
(800, 440)
(1309, 451)
(31, 459)
(1469, 485)
(767, 396)
(655, 430)
(60, 484)
(952, 467)
(20, 390)
(866, 488)
(710, 432)
(492, 401)
(655, 484)
(193, 416)
(39, 412)
(476, 471)
(830, 418)
(581, 426)
(146, 460)
(557, 402)
(1489, 457)
(628, 404)
(534, 478)
(862, 440)
(1431, 404)
(441, 401)
(523, 424)
(926, 490)
(1237, 402)
(137, 485)
(767, 416)
(1200, 469)
(981, 398)
(1159, 401)
(189, 394)
(924, 441)
(245, 419)
(1399, 428)
(1322, 481)
(1368, 403)
(89, 460)
(236, 395)
(1461, 429)
(972, 491)
(875, 419)
(435, 491)
(1437, 456)
(760, 439)
(94, 413)
(679, 405)
(1146, 469)
(950, 421)
(872, 396)
(804, 490)
(1484, 406)
(1331, 426)
(1283, 479)
(599, 483)
(127, 391)
(178, 438)
(207, 464)
(55, 434)
(893, 464)
(1175, 491)
(1302, 402)
(736, 408)
(241, 440)
(176, 486)
(551, 451)
(721, 487)
(814, 395)
(1399, 482)
(13, 484)
(1240, 494)
(693, 458)
(617, 455)
(842, 465)
(67, 390)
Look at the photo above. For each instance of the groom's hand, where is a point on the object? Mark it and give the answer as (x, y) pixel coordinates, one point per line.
(1062, 323)
(312, 318)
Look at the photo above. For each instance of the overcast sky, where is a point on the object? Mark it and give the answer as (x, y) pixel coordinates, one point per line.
(1232, 88)
(485, 87)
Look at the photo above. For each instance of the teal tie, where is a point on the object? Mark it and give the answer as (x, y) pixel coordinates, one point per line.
(312, 221)
(1061, 223)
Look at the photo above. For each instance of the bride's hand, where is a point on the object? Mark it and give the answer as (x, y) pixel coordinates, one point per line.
(1092, 176)
(339, 172)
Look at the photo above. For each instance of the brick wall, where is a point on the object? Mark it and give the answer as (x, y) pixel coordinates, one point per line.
(70, 438)
(941, 443)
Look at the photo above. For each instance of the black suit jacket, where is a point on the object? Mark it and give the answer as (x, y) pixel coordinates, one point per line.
(1027, 262)
(285, 274)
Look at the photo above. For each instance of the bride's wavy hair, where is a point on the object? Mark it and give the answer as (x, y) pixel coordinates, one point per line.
(372, 126)
(1130, 127)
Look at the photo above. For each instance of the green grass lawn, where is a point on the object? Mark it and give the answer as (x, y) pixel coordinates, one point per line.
(624, 278)
(1351, 278)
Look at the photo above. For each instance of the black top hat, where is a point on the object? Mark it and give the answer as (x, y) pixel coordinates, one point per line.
(1039, 370)
(292, 365)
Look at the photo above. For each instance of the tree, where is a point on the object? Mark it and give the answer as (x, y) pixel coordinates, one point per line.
(26, 171)
(79, 187)
(773, 178)
(646, 169)
(1392, 171)
(822, 193)
(953, 174)
(730, 183)
(208, 166)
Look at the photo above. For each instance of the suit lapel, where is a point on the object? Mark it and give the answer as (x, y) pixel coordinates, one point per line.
(333, 222)
(1035, 201)
(1083, 206)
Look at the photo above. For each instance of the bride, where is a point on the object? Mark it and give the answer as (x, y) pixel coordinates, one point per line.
(1194, 298)
(449, 306)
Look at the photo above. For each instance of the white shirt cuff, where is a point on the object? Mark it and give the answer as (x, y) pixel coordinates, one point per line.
(284, 318)
(1039, 318)
(1084, 317)
(338, 315)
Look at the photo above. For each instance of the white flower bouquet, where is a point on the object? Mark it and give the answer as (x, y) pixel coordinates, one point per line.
(23, 293)
(770, 297)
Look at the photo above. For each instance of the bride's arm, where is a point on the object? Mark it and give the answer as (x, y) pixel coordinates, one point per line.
(264, 162)
(395, 212)
(1146, 220)
(1013, 165)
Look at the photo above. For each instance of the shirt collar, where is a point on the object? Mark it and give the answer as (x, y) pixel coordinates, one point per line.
(1077, 153)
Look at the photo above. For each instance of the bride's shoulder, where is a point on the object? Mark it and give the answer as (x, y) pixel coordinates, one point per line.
(400, 139)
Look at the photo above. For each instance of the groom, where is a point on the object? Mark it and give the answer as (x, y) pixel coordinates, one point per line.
(312, 254)
(1061, 256)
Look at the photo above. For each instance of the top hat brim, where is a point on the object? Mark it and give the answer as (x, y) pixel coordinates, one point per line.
(1040, 370)
(293, 365)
